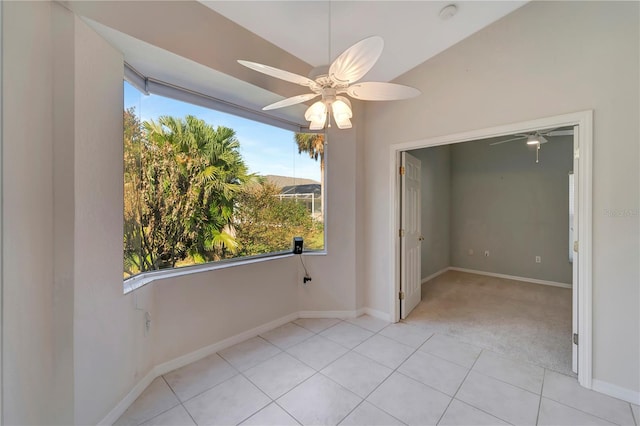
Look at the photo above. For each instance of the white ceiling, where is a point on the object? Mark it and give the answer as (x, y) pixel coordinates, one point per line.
(412, 30)
(159, 64)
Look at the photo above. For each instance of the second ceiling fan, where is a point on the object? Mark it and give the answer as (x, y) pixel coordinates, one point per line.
(336, 80)
(537, 138)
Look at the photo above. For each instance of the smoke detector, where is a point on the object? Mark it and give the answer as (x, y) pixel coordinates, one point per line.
(448, 12)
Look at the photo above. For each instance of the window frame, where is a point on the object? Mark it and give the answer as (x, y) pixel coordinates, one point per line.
(148, 86)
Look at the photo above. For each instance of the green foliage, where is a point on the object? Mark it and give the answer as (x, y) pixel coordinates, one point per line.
(181, 179)
(312, 144)
(266, 224)
(188, 197)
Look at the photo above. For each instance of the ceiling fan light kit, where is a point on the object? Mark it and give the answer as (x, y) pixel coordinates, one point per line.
(536, 138)
(532, 140)
(347, 69)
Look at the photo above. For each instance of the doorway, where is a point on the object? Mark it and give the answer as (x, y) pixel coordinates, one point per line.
(582, 262)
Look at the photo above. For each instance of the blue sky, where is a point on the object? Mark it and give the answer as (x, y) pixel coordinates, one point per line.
(267, 150)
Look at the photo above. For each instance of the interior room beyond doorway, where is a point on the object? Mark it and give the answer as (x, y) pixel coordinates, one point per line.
(495, 208)
(524, 321)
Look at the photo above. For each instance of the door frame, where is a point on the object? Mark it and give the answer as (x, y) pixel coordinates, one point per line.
(584, 151)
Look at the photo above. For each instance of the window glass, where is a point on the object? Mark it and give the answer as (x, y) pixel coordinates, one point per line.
(203, 186)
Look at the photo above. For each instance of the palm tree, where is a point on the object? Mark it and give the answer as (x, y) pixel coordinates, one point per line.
(191, 173)
(313, 144)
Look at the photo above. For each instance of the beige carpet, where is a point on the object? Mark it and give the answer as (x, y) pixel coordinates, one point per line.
(525, 321)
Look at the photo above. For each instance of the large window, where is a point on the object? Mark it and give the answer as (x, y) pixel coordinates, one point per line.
(204, 186)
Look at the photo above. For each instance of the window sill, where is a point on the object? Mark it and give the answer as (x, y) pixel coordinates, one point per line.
(137, 281)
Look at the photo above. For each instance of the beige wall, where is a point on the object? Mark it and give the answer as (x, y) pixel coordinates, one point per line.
(28, 331)
(105, 368)
(74, 345)
(547, 58)
(484, 81)
(62, 277)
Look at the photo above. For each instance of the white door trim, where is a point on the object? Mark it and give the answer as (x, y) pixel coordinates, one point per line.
(583, 119)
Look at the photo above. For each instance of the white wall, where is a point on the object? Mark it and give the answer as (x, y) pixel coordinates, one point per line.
(545, 59)
(188, 312)
(111, 352)
(74, 345)
(435, 209)
(28, 353)
(195, 311)
(333, 287)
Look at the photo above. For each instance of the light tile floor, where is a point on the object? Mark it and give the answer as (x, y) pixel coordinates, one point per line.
(367, 372)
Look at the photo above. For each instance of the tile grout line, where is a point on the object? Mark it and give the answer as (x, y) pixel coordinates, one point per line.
(482, 374)
(393, 371)
(510, 384)
(585, 412)
(581, 410)
(179, 400)
(238, 372)
(351, 350)
(379, 384)
(288, 413)
(372, 360)
(460, 386)
(316, 372)
(544, 374)
(274, 401)
(249, 368)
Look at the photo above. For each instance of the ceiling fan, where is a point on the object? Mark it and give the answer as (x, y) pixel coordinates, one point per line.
(537, 138)
(335, 80)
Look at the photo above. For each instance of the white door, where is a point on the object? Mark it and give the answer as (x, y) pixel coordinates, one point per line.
(411, 238)
(573, 215)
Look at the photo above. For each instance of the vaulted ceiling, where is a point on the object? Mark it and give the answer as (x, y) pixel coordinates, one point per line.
(195, 45)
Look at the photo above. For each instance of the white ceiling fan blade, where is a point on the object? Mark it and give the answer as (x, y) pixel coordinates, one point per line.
(508, 140)
(378, 91)
(278, 73)
(356, 61)
(291, 101)
(559, 133)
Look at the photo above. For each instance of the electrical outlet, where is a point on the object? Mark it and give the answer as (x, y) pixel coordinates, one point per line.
(538, 259)
(486, 253)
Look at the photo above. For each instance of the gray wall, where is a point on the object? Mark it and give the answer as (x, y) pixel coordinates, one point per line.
(503, 202)
(435, 199)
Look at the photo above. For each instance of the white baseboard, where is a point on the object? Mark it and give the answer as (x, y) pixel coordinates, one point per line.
(133, 394)
(511, 277)
(183, 360)
(196, 355)
(432, 276)
(616, 391)
(376, 313)
(345, 314)
(221, 345)
(328, 314)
